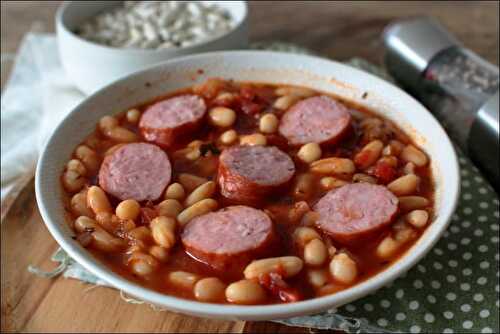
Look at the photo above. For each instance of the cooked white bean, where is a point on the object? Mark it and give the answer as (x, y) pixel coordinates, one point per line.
(286, 265)
(183, 279)
(101, 239)
(417, 218)
(329, 182)
(141, 233)
(88, 157)
(79, 205)
(404, 185)
(107, 221)
(285, 102)
(315, 253)
(224, 97)
(304, 186)
(333, 166)
(175, 191)
(76, 166)
(268, 123)
(394, 148)
(169, 208)
(206, 190)
(343, 268)
(73, 181)
(222, 117)
(245, 292)
(97, 200)
(83, 223)
(193, 154)
(107, 122)
(228, 137)
(303, 235)
(309, 152)
(389, 160)
(408, 203)
(369, 154)
(197, 209)
(403, 232)
(143, 264)
(360, 177)
(297, 91)
(190, 181)
(133, 116)
(163, 231)
(387, 248)
(159, 253)
(253, 140)
(317, 277)
(210, 289)
(120, 134)
(412, 154)
(128, 209)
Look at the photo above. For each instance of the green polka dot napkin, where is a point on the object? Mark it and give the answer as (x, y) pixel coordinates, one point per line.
(453, 289)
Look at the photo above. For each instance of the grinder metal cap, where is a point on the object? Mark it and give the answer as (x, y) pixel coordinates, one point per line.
(411, 44)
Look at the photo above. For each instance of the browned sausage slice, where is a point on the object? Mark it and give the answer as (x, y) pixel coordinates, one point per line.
(139, 171)
(246, 173)
(229, 237)
(318, 119)
(165, 121)
(356, 211)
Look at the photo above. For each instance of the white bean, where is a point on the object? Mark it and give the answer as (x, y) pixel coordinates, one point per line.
(369, 154)
(315, 252)
(169, 208)
(387, 248)
(222, 117)
(120, 134)
(309, 152)
(285, 102)
(268, 123)
(204, 191)
(245, 292)
(133, 116)
(128, 209)
(343, 268)
(197, 209)
(73, 181)
(190, 181)
(317, 278)
(79, 205)
(253, 140)
(209, 289)
(163, 231)
(333, 166)
(417, 218)
(76, 166)
(228, 137)
(88, 157)
(286, 265)
(143, 264)
(304, 186)
(329, 182)
(412, 154)
(408, 203)
(404, 185)
(183, 279)
(175, 191)
(97, 200)
(303, 235)
(360, 177)
(159, 253)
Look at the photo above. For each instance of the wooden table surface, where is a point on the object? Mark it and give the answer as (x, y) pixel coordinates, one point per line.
(337, 29)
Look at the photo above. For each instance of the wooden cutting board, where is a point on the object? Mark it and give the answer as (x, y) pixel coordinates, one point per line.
(337, 29)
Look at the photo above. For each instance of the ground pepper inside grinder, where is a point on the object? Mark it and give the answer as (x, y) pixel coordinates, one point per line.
(459, 87)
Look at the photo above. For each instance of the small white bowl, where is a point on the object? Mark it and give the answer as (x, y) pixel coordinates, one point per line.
(256, 66)
(91, 66)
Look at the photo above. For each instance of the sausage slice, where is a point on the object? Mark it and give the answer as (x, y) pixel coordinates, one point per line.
(165, 121)
(355, 212)
(139, 171)
(229, 237)
(246, 173)
(318, 119)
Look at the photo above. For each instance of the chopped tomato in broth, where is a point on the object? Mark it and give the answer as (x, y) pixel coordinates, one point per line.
(198, 154)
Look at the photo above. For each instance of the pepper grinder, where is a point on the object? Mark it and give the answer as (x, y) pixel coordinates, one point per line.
(459, 87)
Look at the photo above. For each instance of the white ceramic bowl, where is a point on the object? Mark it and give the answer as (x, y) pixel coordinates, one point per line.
(257, 66)
(91, 66)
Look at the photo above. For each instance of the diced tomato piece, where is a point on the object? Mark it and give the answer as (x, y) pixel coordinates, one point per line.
(277, 286)
(384, 172)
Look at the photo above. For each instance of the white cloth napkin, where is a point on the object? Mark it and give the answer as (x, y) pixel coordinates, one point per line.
(36, 98)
